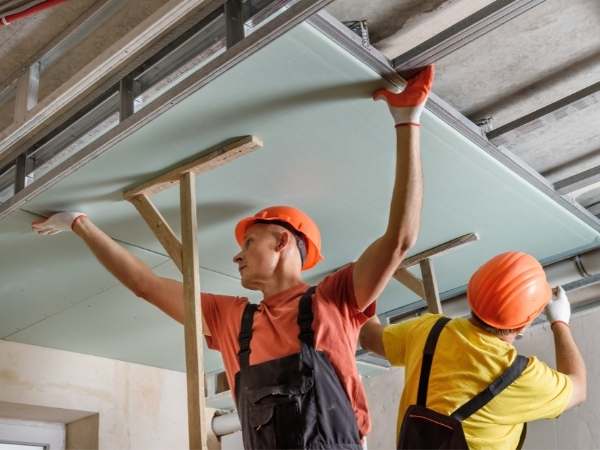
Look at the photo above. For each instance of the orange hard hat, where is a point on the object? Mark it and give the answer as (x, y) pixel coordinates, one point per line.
(298, 220)
(509, 290)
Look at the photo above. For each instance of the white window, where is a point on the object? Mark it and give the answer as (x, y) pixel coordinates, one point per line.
(22, 446)
(30, 435)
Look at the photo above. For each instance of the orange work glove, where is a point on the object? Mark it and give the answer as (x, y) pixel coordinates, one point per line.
(406, 106)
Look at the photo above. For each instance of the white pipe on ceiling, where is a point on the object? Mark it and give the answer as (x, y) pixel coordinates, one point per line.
(559, 273)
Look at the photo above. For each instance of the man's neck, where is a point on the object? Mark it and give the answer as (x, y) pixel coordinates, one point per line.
(280, 284)
(510, 338)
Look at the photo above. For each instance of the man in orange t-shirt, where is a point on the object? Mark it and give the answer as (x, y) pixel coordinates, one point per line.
(305, 337)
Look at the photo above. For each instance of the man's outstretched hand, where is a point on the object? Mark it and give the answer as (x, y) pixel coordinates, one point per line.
(56, 223)
(559, 308)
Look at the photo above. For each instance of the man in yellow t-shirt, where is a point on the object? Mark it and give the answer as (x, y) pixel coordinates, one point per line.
(505, 295)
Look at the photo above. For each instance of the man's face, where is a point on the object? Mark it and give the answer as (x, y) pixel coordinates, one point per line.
(258, 258)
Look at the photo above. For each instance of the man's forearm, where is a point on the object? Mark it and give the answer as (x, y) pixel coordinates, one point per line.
(371, 336)
(128, 269)
(407, 196)
(569, 360)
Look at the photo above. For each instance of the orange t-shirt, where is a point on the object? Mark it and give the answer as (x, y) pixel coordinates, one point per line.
(336, 324)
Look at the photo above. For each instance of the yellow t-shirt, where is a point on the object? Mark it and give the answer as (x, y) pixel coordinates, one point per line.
(466, 360)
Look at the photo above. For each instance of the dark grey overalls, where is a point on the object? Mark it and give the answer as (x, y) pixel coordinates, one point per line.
(294, 402)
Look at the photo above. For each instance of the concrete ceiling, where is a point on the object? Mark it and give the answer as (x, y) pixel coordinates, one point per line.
(537, 58)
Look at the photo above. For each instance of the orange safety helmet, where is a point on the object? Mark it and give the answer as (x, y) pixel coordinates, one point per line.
(298, 220)
(509, 290)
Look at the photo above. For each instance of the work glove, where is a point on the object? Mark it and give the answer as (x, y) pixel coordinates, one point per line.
(56, 223)
(406, 107)
(559, 308)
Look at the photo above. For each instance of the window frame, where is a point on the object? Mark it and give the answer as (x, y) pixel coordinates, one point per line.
(27, 444)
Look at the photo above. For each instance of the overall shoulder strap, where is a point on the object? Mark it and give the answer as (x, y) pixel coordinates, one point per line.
(305, 317)
(428, 352)
(245, 335)
(501, 383)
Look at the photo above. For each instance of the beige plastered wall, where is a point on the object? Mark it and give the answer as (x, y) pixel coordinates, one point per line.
(138, 407)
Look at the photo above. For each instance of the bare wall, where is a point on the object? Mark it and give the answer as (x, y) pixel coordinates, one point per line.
(138, 407)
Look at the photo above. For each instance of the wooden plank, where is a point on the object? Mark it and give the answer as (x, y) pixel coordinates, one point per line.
(159, 226)
(439, 249)
(209, 159)
(194, 357)
(410, 281)
(432, 296)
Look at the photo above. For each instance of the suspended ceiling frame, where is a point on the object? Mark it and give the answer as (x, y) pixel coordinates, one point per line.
(278, 25)
(460, 34)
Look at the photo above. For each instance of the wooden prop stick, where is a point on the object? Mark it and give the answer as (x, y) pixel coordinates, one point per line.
(185, 256)
(427, 288)
(432, 296)
(208, 160)
(192, 314)
(159, 226)
(439, 249)
(410, 281)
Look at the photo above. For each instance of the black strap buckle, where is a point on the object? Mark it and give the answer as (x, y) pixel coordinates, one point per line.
(245, 335)
(305, 317)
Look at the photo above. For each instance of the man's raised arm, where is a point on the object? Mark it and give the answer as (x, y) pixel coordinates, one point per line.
(376, 266)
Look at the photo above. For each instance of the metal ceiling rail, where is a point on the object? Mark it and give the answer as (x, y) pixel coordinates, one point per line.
(460, 34)
(371, 57)
(166, 24)
(145, 78)
(83, 26)
(290, 13)
(582, 181)
(544, 111)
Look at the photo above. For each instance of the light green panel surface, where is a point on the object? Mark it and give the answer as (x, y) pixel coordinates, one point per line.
(41, 277)
(329, 149)
(118, 325)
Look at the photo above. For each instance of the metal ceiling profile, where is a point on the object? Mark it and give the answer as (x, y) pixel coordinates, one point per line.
(291, 13)
(460, 34)
(494, 135)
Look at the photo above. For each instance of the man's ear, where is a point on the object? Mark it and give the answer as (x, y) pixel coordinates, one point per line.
(283, 239)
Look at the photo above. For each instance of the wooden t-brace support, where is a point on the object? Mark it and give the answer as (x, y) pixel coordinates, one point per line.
(427, 288)
(185, 256)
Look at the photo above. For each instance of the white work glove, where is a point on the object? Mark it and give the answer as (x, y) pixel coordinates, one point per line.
(559, 308)
(406, 106)
(56, 223)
